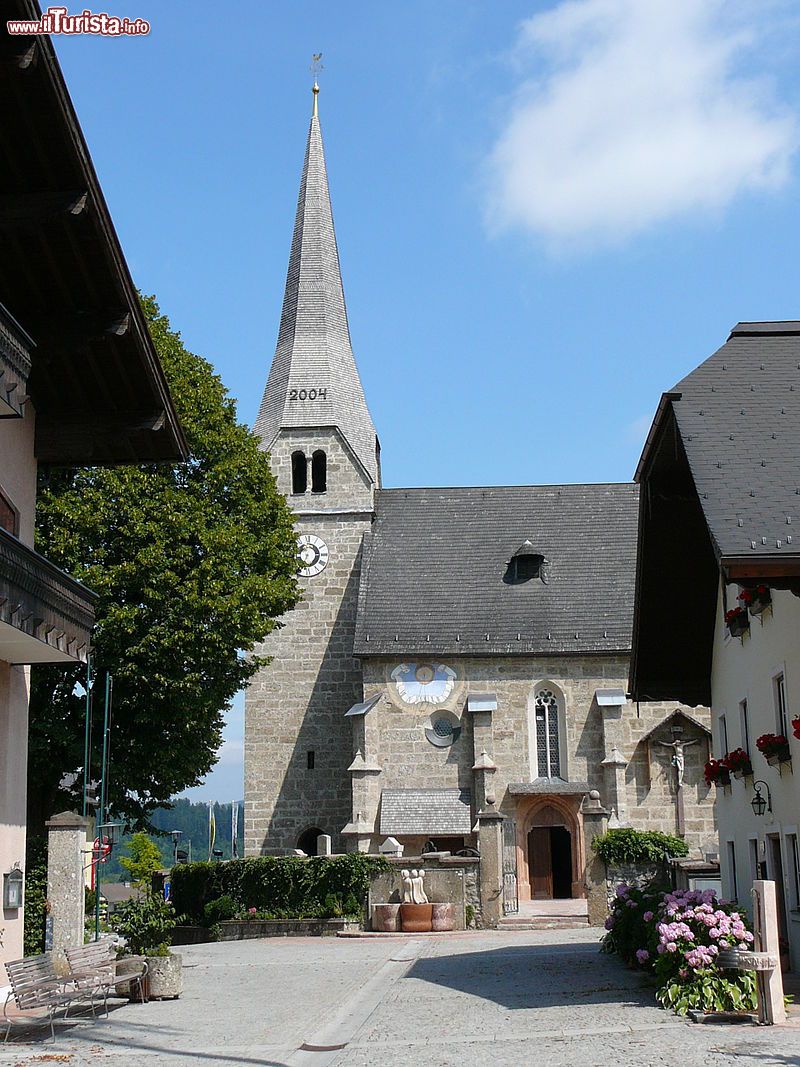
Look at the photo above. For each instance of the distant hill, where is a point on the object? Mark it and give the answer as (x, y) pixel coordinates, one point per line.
(191, 818)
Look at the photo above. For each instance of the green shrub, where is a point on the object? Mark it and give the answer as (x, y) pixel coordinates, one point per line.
(618, 847)
(285, 887)
(35, 895)
(217, 911)
(146, 924)
(469, 916)
(352, 906)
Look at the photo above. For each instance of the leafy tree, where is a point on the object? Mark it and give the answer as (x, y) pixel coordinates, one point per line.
(144, 860)
(193, 563)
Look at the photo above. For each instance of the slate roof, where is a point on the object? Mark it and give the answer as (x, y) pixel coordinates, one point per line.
(425, 811)
(314, 352)
(432, 579)
(739, 419)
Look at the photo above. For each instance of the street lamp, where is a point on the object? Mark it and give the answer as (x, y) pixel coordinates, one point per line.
(13, 883)
(176, 835)
(761, 803)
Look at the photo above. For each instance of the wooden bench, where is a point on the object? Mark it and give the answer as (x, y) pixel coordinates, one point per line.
(35, 985)
(93, 968)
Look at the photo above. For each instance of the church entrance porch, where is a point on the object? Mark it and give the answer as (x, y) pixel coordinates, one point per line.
(550, 845)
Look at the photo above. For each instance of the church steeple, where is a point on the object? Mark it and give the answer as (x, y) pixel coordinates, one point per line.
(314, 381)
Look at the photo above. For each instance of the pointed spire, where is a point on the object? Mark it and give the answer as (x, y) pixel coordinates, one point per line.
(314, 380)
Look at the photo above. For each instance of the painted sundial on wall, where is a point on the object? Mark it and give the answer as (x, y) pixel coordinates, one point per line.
(313, 553)
(424, 683)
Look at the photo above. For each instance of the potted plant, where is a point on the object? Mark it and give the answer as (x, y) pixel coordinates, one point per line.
(775, 748)
(716, 773)
(737, 621)
(755, 600)
(146, 923)
(796, 726)
(738, 763)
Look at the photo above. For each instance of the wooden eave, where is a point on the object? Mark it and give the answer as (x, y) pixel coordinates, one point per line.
(96, 383)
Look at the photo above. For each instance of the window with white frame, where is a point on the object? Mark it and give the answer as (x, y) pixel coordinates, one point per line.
(794, 875)
(744, 722)
(781, 717)
(547, 734)
(732, 879)
(722, 727)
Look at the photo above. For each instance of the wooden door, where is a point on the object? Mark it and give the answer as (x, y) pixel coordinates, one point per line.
(540, 862)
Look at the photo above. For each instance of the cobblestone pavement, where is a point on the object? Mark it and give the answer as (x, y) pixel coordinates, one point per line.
(486, 998)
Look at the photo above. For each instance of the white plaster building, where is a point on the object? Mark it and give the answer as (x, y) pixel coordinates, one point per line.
(719, 507)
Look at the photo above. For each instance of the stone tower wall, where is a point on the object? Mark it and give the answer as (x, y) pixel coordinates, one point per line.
(296, 704)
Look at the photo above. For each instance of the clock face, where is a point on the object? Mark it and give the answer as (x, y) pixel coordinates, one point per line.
(424, 683)
(313, 553)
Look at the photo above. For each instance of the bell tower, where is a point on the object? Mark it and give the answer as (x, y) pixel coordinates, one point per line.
(325, 455)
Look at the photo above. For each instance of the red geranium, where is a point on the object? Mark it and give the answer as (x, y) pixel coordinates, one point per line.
(769, 743)
(747, 596)
(734, 613)
(736, 760)
(714, 770)
(796, 726)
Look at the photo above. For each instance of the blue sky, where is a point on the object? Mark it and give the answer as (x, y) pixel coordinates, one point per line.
(547, 212)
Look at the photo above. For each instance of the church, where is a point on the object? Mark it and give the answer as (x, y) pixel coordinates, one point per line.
(457, 651)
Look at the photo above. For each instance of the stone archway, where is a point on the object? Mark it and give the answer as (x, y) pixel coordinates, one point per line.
(550, 848)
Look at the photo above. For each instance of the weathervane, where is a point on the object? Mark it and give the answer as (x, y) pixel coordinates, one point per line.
(315, 68)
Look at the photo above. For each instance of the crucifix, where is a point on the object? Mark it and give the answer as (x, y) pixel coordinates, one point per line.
(679, 763)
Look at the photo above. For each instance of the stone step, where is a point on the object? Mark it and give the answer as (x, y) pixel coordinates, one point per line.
(543, 922)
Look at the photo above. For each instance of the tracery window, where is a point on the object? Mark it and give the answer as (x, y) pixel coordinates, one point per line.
(548, 752)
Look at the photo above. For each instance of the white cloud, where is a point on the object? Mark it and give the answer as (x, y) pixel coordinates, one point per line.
(633, 112)
(637, 430)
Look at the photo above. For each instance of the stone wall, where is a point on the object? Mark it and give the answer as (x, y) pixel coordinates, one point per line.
(395, 739)
(348, 485)
(635, 874)
(297, 703)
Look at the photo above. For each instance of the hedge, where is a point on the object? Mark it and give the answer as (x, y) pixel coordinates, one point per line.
(617, 847)
(287, 887)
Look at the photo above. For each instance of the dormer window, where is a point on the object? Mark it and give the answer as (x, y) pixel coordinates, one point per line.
(319, 472)
(526, 563)
(299, 473)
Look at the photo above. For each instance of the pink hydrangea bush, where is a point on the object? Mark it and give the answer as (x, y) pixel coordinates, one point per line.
(678, 937)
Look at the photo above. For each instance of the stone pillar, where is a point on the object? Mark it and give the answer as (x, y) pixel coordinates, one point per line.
(765, 924)
(595, 822)
(614, 777)
(66, 859)
(490, 843)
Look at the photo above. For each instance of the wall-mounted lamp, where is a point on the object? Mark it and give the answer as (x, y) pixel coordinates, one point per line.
(761, 803)
(13, 884)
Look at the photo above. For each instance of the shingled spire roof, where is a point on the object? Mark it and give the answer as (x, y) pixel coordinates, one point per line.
(313, 381)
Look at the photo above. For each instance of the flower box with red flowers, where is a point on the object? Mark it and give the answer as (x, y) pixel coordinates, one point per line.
(775, 748)
(738, 763)
(737, 621)
(796, 726)
(716, 774)
(755, 600)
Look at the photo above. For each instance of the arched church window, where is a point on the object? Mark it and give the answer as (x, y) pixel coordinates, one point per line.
(319, 472)
(299, 472)
(546, 722)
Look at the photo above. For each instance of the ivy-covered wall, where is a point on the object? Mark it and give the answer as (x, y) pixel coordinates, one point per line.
(286, 887)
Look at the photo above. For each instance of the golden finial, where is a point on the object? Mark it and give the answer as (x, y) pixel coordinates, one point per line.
(315, 68)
